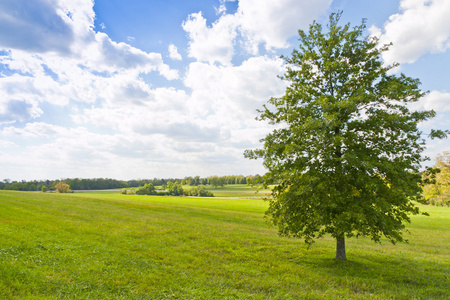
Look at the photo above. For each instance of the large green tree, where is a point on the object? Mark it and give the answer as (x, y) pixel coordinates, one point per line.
(346, 151)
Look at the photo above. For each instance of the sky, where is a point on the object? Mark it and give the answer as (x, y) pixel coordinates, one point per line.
(158, 89)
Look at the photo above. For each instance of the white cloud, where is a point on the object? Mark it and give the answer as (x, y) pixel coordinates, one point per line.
(36, 129)
(74, 69)
(273, 22)
(173, 52)
(43, 30)
(214, 122)
(7, 144)
(266, 22)
(115, 57)
(211, 44)
(234, 93)
(421, 27)
(438, 101)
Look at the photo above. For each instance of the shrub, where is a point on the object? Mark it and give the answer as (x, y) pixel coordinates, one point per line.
(147, 189)
(200, 191)
(175, 189)
(62, 187)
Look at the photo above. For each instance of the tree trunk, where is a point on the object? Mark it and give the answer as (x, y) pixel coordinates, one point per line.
(340, 248)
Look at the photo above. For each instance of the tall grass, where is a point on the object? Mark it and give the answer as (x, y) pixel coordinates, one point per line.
(109, 246)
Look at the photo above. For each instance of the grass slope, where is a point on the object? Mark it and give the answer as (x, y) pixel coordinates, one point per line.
(105, 246)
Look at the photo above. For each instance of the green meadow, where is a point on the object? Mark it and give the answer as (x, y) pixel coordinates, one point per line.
(111, 246)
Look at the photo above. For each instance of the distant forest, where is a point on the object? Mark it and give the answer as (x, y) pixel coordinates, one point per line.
(106, 183)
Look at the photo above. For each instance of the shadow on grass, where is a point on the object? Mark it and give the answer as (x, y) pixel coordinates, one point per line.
(389, 276)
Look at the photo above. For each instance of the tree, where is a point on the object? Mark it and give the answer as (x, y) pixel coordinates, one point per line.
(147, 189)
(62, 187)
(216, 181)
(199, 191)
(347, 151)
(175, 189)
(438, 191)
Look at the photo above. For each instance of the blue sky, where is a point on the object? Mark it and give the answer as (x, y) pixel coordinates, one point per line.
(144, 89)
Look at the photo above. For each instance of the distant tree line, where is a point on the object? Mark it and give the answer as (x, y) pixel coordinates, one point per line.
(107, 183)
(51, 185)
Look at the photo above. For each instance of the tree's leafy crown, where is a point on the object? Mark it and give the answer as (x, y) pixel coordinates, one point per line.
(347, 151)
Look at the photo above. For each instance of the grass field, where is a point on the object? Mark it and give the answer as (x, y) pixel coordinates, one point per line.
(110, 246)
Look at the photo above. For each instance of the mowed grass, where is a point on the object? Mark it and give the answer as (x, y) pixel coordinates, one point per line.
(110, 246)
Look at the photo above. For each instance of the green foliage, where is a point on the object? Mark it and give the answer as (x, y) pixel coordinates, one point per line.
(62, 187)
(147, 189)
(347, 150)
(44, 189)
(175, 189)
(95, 184)
(199, 191)
(123, 191)
(437, 192)
(217, 181)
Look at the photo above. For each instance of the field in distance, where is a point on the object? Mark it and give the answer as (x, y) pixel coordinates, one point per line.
(111, 246)
(226, 191)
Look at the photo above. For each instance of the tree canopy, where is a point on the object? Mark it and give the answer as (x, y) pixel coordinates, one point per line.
(346, 151)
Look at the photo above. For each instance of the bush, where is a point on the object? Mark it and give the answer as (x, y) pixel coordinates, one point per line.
(123, 191)
(200, 191)
(147, 189)
(175, 189)
(62, 187)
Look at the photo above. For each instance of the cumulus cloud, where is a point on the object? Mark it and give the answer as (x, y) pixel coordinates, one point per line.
(15, 110)
(34, 26)
(7, 144)
(211, 44)
(234, 92)
(173, 52)
(421, 27)
(36, 129)
(52, 54)
(436, 100)
(281, 20)
(256, 22)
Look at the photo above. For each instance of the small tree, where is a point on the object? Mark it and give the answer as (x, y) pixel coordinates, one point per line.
(216, 181)
(147, 189)
(438, 192)
(62, 187)
(347, 150)
(175, 189)
(200, 191)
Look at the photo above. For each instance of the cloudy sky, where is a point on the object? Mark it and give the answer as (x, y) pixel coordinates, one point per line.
(144, 88)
